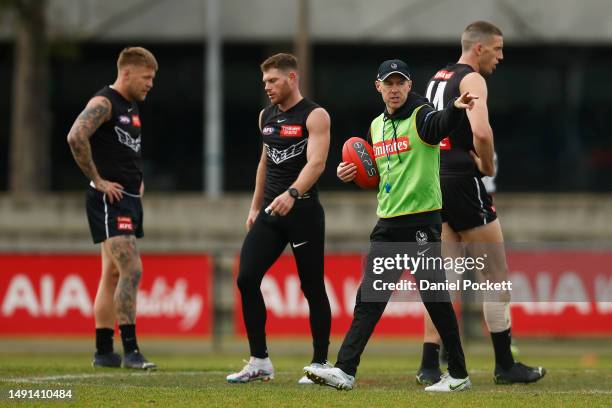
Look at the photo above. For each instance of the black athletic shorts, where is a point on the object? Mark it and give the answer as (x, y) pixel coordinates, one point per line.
(466, 203)
(108, 220)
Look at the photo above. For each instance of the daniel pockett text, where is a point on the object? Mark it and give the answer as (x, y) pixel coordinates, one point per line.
(433, 272)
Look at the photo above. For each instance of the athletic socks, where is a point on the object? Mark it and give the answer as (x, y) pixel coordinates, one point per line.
(431, 355)
(501, 345)
(104, 340)
(128, 337)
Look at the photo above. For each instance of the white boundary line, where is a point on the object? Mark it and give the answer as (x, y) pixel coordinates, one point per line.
(85, 376)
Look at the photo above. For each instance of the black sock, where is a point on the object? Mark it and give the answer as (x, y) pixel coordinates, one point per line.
(431, 355)
(258, 347)
(104, 340)
(128, 337)
(501, 345)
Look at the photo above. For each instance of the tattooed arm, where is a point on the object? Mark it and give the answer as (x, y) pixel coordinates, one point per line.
(97, 111)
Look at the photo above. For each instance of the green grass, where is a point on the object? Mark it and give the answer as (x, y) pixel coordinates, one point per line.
(577, 377)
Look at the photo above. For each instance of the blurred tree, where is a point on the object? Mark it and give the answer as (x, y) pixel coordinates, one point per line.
(31, 113)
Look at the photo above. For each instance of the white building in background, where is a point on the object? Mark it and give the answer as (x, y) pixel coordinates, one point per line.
(360, 21)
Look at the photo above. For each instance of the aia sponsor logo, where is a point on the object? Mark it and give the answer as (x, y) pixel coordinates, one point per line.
(445, 144)
(136, 120)
(124, 224)
(444, 75)
(268, 130)
(391, 147)
(124, 120)
(52, 297)
(291, 131)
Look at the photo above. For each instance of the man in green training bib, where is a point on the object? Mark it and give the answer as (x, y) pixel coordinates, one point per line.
(405, 140)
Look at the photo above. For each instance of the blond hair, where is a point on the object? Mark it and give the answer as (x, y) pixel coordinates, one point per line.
(136, 56)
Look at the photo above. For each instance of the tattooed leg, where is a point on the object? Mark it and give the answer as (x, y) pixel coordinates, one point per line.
(104, 305)
(126, 257)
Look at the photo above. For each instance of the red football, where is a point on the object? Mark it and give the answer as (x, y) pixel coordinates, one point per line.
(360, 153)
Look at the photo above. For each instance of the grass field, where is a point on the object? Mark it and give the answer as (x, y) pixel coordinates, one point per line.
(580, 374)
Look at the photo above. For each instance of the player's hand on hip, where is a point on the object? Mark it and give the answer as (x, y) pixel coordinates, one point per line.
(346, 172)
(465, 101)
(113, 190)
(281, 204)
(251, 219)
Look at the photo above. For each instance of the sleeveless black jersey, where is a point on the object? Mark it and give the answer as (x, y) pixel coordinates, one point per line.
(285, 138)
(116, 145)
(455, 159)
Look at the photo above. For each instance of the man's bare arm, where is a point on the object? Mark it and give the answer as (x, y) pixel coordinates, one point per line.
(479, 122)
(258, 193)
(97, 111)
(318, 124)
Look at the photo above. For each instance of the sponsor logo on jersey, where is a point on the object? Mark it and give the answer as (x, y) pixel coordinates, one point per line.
(445, 144)
(126, 139)
(268, 130)
(444, 75)
(125, 224)
(391, 147)
(279, 156)
(291, 131)
(136, 120)
(124, 120)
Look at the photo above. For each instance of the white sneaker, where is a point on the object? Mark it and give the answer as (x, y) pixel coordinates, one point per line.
(256, 369)
(307, 381)
(450, 384)
(331, 376)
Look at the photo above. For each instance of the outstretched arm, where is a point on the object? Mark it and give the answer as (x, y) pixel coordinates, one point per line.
(433, 126)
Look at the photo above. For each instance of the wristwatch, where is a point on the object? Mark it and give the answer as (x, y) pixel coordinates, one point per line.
(293, 192)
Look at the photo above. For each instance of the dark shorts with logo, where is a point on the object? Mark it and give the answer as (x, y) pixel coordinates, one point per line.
(108, 220)
(466, 203)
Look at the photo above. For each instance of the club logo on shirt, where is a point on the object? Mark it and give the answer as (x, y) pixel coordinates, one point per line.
(279, 156)
(136, 120)
(124, 120)
(291, 131)
(125, 224)
(421, 237)
(268, 130)
(126, 139)
(391, 147)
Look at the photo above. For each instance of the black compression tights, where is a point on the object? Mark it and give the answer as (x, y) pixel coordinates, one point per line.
(304, 229)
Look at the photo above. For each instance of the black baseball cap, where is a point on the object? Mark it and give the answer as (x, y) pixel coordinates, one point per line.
(393, 66)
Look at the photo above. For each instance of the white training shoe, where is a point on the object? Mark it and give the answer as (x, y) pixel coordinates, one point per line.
(331, 376)
(256, 369)
(307, 381)
(450, 384)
